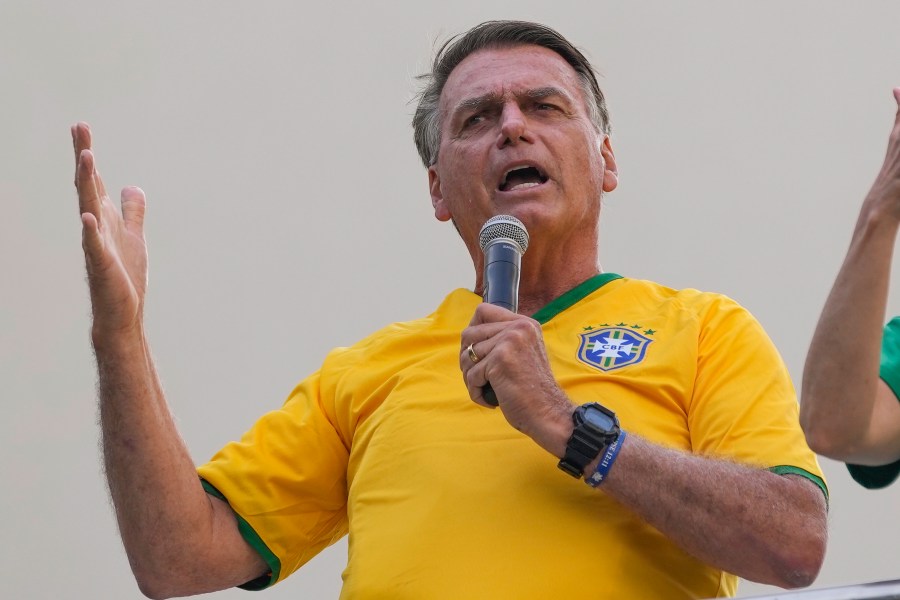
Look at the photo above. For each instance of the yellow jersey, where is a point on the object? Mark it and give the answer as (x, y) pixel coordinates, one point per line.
(442, 498)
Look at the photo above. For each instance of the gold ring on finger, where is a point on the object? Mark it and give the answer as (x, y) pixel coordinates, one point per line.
(472, 356)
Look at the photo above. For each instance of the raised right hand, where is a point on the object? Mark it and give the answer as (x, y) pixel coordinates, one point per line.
(884, 196)
(115, 251)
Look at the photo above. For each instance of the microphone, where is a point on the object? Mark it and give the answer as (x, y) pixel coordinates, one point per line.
(503, 240)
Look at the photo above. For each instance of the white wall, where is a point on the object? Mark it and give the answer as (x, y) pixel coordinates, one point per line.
(288, 212)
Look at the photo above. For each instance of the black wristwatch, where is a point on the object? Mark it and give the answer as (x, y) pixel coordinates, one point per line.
(596, 427)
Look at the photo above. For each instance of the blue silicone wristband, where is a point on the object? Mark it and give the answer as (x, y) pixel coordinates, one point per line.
(606, 463)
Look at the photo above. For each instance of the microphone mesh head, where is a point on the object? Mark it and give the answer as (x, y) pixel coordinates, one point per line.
(503, 226)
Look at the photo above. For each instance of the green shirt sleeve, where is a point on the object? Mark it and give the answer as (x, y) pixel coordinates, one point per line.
(874, 477)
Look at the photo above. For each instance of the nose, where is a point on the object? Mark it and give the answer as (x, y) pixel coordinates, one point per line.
(513, 126)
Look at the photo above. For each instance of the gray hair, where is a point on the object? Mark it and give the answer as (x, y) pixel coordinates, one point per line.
(496, 34)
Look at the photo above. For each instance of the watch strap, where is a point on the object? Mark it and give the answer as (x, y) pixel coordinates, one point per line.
(583, 446)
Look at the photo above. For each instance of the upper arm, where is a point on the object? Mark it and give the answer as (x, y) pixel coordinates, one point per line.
(744, 407)
(232, 560)
(284, 483)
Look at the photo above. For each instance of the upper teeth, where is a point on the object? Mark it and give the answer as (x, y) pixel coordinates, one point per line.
(505, 175)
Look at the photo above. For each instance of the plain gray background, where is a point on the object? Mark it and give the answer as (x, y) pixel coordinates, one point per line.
(288, 213)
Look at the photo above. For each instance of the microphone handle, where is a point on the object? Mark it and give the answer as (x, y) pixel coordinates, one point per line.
(488, 395)
(501, 287)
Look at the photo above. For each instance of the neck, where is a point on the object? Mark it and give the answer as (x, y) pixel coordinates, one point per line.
(539, 289)
(543, 278)
(558, 259)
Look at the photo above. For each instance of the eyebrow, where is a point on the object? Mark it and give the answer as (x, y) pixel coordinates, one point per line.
(494, 98)
(546, 92)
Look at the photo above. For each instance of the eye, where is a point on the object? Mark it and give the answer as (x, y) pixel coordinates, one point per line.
(543, 106)
(474, 123)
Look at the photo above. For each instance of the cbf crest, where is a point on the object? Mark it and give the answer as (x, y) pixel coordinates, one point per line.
(611, 348)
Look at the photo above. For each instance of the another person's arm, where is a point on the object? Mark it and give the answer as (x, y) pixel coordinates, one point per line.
(179, 540)
(847, 412)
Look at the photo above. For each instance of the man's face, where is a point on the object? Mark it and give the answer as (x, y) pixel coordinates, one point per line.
(516, 138)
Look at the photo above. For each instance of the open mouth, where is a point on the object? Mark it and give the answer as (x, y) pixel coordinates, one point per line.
(521, 178)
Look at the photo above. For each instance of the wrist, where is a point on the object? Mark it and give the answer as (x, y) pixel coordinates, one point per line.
(594, 429)
(555, 429)
(116, 340)
(598, 471)
(878, 214)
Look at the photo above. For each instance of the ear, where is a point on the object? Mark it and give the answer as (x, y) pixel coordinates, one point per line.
(441, 211)
(610, 171)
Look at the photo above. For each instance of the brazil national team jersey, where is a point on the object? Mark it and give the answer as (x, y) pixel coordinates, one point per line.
(883, 475)
(442, 498)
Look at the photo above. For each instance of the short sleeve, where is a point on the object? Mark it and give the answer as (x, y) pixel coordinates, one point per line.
(875, 477)
(890, 355)
(286, 482)
(744, 407)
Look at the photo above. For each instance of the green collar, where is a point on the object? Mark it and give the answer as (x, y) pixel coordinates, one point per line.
(573, 296)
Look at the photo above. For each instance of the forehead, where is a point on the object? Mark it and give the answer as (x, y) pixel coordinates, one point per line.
(501, 71)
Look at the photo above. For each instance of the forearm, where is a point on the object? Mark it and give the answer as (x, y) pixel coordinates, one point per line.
(744, 520)
(178, 540)
(751, 522)
(841, 372)
(165, 518)
(747, 521)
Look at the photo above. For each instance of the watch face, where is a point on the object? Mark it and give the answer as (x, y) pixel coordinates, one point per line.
(599, 420)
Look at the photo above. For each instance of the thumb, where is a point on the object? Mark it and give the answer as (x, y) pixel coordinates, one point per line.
(134, 206)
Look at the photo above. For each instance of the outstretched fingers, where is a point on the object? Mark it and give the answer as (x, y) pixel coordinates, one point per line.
(81, 140)
(892, 159)
(89, 198)
(896, 131)
(87, 177)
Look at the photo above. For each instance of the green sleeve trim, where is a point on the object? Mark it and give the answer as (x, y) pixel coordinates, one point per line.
(789, 470)
(260, 583)
(573, 296)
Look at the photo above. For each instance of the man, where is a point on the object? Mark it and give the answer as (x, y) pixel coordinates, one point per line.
(849, 413)
(704, 477)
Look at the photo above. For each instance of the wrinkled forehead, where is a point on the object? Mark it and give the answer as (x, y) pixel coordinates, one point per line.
(505, 71)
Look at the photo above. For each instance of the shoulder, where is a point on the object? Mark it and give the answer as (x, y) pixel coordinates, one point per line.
(700, 303)
(407, 338)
